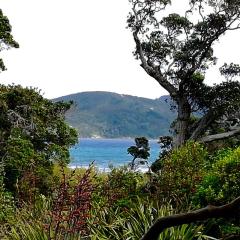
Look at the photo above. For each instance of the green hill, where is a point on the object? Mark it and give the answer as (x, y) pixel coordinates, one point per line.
(112, 115)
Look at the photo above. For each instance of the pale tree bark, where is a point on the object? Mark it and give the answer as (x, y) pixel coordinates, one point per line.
(166, 69)
(202, 125)
(220, 136)
(182, 125)
(229, 210)
(153, 71)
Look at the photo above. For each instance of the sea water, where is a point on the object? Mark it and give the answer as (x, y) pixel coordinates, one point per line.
(106, 152)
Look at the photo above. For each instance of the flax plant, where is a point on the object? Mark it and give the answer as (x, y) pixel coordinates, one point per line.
(134, 223)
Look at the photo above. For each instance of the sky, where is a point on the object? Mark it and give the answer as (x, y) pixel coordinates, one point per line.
(70, 46)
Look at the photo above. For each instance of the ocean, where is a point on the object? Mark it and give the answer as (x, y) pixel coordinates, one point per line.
(106, 152)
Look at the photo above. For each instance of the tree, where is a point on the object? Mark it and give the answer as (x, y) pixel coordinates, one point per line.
(141, 150)
(6, 38)
(33, 136)
(166, 147)
(177, 50)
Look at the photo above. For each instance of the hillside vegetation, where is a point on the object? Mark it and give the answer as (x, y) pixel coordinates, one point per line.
(113, 115)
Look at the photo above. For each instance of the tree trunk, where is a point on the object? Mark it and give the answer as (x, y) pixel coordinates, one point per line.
(184, 112)
(133, 163)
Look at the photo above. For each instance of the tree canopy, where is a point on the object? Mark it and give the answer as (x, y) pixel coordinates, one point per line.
(33, 133)
(141, 150)
(177, 50)
(6, 39)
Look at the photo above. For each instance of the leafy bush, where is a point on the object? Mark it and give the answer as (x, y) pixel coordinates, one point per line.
(28, 221)
(166, 144)
(7, 208)
(119, 187)
(222, 182)
(64, 216)
(181, 172)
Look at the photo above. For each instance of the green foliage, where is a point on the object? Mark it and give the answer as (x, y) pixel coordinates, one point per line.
(141, 151)
(27, 231)
(116, 207)
(28, 222)
(134, 223)
(157, 165)
(6, 37)
(166, 143)
(7, 208)
(222, 182)
(181, 172)
(230, 229)
(119, 188)
(34, 136)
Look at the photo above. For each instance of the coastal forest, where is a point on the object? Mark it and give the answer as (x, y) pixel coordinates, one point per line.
(192, 191)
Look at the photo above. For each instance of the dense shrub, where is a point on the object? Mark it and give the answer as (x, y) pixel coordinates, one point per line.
(166, 144)
(181, 172)
(64, 216)
(118, 187)
(7, 207)
(222, 182)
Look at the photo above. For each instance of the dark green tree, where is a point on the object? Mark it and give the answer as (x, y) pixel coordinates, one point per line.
(166, 147)
(33, 136)
(177, 51)
(6, 38)
(141, 150)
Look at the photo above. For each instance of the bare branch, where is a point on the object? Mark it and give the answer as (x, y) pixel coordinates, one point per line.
(203, 124)
(229, 210)
(153, 72)
(200, 7)
(18, 121)
(220, 136)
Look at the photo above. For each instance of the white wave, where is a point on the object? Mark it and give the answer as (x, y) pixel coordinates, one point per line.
(141, 168)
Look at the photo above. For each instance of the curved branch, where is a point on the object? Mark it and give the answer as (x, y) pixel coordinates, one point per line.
(202, 125)
(153, 72)
(145, 65)
(228, 210)
(220, 136)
